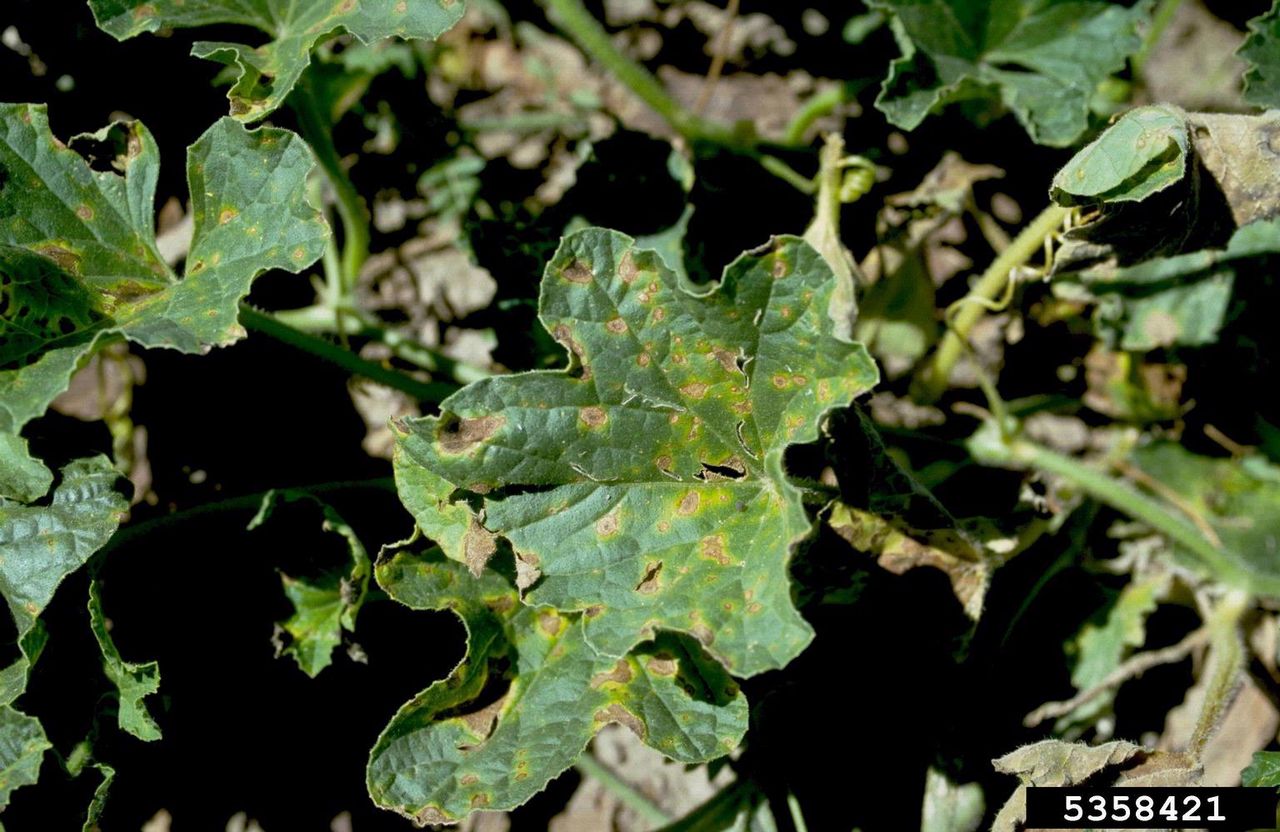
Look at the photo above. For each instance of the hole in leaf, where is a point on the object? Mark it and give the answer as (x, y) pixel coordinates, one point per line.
(111, 153)
(731, 470)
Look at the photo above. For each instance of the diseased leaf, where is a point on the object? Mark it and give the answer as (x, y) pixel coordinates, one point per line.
(133, 682)
(645, 485)
(1237, 501)
(1056, 763)
(22, 747)
(22, 477)
(265, 74)
(1142, 153)
(528, 697)
(1100, 648)
(42, 544)
(1263, 771)
(325, 604)
(1024, 53)
(1262, 50)
(78, 257)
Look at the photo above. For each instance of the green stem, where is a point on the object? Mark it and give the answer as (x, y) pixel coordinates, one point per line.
(933, 380)
(788, 174)
(247, 503)
(797, 817)
(589, 766)
(815, 108)
(357, 322)
(591, 37)
(318, 131)
(1021, 453)
(1160, 20)
(264, 323)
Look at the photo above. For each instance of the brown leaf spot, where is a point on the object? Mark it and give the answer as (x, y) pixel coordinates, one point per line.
(478, 800)
(727, 359)
(299, 254)
(781, 268)
(713, 548)
(593, 611)
(481, 722)
(694, 390)
(619, 675)
(617, 326)
(527, 571)
(608, 524)
(650, 583)
(703, 634)
(144, 11)
(617, 713)
(430, 815)
(661, 665)
(781, 382)
(345, 7)
(754, 607)
(84, 212)
(643, 359)
(66, 259)
(478, 546)
(577, 272)
(627, 268)
(659, 313)
(464, 435)
(228, 214)
(593, 416)
(664, 463)
(664, 526)
(402, 6)
(688, 503)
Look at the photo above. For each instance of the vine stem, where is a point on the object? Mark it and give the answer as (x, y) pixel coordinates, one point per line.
(1019, 452)
(813, 109)
(355, 321)
(245, 503)
(424, 391)
(589, 766)
(592, 38)
(318, 132)
(933, 380)
(1160, 20)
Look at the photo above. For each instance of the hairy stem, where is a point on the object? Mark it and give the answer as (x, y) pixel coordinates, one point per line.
(591, 37)
(933, 379)
(266, 324)
(589, 766)
(316, 128)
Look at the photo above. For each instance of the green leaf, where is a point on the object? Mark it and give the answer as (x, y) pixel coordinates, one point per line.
(1239, 502)
(1101, 648)
(528, 697)
(1263, 771)
(326, 604)
(78, 258)
(98, 804)
(42, 544)
(22, 478)
(1262, 50)
(22, 747)
(265, 74)
(1024, 53)
(1141, 154)
(134, 682)
(645, 485)
(1182, 299)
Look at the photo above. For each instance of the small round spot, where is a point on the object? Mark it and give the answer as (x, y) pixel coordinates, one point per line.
(608, 525)
(593, 416)
(617, 326)
(84, 212)
(688, 503)
(781, 382)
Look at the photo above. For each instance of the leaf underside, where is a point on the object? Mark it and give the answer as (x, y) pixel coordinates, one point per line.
(265, 74)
